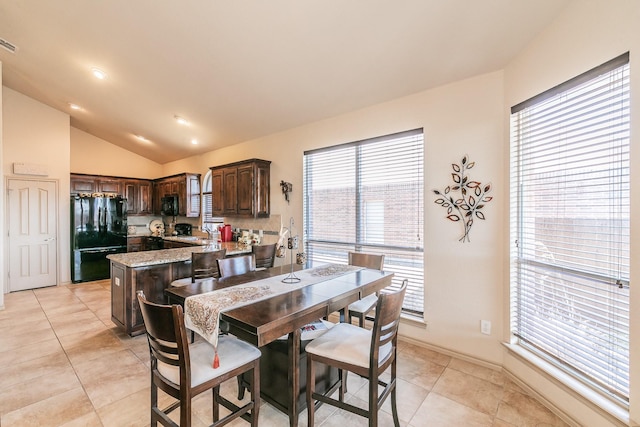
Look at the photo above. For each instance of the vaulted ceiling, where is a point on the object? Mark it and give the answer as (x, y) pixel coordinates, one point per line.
(239, 70)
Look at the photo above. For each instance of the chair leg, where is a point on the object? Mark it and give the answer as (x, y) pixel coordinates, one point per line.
(215, 406)
(373, 403)
(311, 388)
(154, 404)
(185, 410)
(241, 387)
(255, 394)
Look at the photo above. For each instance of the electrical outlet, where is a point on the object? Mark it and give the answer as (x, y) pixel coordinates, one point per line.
(485, 327)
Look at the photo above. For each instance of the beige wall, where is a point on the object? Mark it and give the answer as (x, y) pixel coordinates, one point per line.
(458, 119)
(587, 34)
(93, 155)
(2, 207)
(36, 133)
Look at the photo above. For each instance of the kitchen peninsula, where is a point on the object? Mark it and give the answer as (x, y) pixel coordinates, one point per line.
(152, 272)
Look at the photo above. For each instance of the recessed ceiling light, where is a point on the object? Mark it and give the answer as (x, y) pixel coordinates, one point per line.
(194, 141)
(141, 138)
(98, 73)
(75, 106)
(181, 120)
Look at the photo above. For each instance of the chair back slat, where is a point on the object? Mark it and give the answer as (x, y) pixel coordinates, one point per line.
(265, 255)
(361, 259)
(166, 335)
(385, 325)
(233, 266)
(205, 264)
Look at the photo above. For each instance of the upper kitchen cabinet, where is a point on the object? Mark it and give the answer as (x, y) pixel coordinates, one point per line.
(186, 186)
(138, 195)
(81, 183)
(241, 189)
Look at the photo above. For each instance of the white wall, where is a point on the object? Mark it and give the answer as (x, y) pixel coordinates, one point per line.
(92, 155)
(36, 133)
(587, 34)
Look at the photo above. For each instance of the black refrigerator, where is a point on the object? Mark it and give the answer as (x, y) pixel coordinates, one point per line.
(98, 229)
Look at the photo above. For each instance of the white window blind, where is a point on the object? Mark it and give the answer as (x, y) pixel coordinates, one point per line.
(209, 222)
(367, 196)
(570, 226)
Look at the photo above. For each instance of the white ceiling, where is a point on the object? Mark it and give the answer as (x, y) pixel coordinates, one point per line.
(239, 70)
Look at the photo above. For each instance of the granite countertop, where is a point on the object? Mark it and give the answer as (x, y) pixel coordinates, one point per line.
(166, 256)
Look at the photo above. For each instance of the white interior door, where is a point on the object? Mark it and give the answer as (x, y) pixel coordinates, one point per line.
(33, 236)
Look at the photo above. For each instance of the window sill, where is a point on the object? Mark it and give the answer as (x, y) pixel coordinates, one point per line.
(413, 320)
(616, 412)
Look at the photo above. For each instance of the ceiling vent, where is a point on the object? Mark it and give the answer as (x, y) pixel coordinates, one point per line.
(9, 46)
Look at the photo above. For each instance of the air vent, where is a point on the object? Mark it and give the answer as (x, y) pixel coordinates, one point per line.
(10, 47)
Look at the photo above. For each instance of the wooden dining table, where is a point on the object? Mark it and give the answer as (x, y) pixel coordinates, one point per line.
(267, 320)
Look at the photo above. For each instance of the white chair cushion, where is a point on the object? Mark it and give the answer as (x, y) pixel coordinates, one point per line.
(187, 281)
(347, 343)
(181, 282)
(364, 305)
(232, 353)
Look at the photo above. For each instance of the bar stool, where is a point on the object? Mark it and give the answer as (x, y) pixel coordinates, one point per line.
(368, 353)
(184, 371)
(360, 308)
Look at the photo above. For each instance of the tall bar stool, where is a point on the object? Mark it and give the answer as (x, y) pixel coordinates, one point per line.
(362, 307)
(204, 265)
(368, 353)
(265, 255)
(184, 371)
(236, 265)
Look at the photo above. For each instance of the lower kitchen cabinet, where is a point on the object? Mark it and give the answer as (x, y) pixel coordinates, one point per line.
(152, 280)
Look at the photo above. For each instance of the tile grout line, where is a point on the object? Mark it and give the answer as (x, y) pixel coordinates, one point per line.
(65, 351)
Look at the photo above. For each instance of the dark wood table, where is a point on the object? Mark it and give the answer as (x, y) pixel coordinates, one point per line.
(263, 322)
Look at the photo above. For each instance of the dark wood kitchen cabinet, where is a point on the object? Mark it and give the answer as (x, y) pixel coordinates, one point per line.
(152, 280)
(186, 186)
(241, 189)
(81, 183)
(138, 195)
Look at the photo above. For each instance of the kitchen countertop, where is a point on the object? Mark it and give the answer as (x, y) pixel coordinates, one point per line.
(165, 256)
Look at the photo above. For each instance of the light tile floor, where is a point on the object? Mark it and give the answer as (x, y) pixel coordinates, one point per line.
(64, 363)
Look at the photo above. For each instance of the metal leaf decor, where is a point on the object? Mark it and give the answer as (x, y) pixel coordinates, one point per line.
(473, 197)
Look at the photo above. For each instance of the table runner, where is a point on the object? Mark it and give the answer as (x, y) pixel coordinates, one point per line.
(202, 312)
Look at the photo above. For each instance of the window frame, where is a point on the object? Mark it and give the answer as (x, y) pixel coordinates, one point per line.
(613, 390)
(412, 256)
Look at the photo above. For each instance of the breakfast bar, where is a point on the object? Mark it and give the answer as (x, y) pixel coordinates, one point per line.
(151, 272)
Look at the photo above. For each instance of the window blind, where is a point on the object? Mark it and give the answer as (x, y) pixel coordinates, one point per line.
(570, 226)
(208, 220)
(367, 196)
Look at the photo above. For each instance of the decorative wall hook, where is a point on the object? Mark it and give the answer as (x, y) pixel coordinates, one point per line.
(473, 196)
(287, 187)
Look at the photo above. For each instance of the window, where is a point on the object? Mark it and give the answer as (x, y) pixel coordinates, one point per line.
(209, 222)
(367, 196)
(570, 226)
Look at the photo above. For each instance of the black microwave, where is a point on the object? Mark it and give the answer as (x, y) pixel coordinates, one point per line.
(169, 205)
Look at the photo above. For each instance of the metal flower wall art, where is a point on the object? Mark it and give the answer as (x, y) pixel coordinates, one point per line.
(471, 196)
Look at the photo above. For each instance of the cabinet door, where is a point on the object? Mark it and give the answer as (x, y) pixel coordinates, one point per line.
(144, 198)
(106, 185)
(152, 281)
(245, 190)
(131, 194)
(230, 191)
(217, 192)
(82, 184)
(157, 197)
(182, 196)
(263, 190)
(118, 296)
